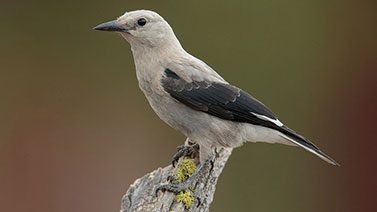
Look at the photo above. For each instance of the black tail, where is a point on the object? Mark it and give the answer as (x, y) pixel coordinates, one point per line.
(297, 139)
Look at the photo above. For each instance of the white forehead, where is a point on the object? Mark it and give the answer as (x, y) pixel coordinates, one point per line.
(134, 15)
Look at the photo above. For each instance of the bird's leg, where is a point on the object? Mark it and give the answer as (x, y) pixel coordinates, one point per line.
(187, 150)
(182, 186)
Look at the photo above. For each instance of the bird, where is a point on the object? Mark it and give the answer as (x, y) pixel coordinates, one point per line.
(194, 99)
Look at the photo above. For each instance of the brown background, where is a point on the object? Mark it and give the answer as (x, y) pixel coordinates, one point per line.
(75, 130)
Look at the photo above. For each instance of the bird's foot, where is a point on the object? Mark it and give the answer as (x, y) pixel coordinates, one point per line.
(185, 151)
(175, 186)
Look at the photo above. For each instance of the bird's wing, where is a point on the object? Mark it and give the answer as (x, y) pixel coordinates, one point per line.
(218, 99)
(228, 102)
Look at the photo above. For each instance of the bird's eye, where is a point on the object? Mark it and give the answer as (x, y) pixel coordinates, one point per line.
(141, 21)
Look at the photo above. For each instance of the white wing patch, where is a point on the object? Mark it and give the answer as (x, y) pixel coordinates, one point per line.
(275, 121)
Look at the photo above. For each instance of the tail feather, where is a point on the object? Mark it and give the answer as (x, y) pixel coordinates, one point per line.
(297, 139)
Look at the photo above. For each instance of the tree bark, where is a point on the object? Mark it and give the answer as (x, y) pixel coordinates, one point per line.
(142, 197)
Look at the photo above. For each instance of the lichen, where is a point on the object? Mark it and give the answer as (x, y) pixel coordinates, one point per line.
(186, 198)
(185, 169)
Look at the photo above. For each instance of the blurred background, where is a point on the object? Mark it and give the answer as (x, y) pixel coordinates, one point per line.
(75, 131)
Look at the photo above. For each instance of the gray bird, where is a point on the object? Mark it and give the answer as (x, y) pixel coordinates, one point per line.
(191, 97)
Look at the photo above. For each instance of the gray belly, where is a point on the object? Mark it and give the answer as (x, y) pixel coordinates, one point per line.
(200, 127)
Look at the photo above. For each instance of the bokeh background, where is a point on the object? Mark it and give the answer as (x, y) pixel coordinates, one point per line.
(75, 131)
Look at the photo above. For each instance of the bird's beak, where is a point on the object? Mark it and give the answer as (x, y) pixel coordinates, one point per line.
(114, 26)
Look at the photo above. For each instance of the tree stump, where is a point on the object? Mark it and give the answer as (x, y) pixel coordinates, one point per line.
(142, 197)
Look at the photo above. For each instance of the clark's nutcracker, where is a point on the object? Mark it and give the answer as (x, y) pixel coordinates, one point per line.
(191, 97)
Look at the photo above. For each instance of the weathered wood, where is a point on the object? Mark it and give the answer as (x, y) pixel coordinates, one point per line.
(142, 197)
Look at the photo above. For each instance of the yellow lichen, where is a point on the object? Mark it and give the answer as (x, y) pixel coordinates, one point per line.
(186, 198)
(185, 169)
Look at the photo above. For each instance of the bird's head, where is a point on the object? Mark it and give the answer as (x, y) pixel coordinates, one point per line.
(141, 28)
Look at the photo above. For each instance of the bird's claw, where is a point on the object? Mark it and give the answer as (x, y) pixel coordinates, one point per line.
(176, 187)
(185, 151)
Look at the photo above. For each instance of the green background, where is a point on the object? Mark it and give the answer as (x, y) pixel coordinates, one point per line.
(75, 131)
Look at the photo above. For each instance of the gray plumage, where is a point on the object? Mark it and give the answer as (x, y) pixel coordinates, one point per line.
(191, 97)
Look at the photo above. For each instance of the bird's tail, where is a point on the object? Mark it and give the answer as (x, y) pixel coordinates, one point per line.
(298, 140)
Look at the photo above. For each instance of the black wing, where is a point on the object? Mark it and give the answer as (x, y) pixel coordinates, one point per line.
(218, 99)
(230, 103)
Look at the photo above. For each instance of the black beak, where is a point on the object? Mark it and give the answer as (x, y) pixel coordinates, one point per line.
(111, 26)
